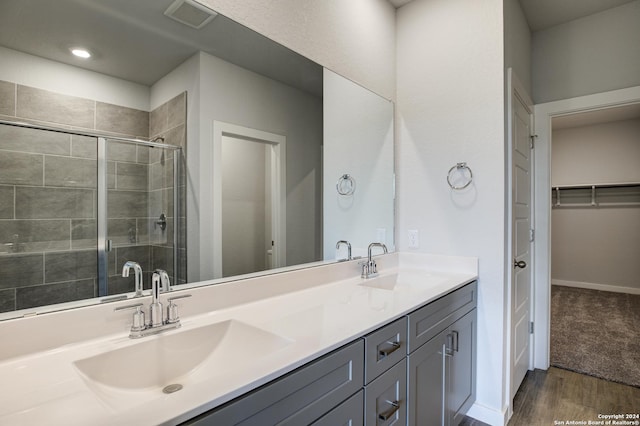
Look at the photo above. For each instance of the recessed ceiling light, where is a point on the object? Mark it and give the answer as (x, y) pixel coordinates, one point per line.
(81, 53)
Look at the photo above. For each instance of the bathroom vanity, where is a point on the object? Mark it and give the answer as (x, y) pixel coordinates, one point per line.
(313, 346)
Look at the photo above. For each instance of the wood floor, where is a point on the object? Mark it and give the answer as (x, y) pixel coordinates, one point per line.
(562, 396)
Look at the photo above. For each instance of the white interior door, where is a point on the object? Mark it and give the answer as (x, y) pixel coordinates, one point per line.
(520, 121)
(249, 200)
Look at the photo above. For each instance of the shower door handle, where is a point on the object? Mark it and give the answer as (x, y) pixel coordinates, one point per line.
(109, 245)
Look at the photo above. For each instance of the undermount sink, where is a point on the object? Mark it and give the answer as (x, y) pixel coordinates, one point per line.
(383, 282)
(176, 358)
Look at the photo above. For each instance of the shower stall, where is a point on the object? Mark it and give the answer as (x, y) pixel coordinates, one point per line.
(76, 205)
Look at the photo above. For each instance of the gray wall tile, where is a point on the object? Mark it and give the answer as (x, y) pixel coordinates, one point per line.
(118, 119)
(132, 176)
(33, 140)
(36, 235)
(158, 120)
(177, 110)
(124, 232)
(161, 175)
(84, 146)
(7, 300)
(70, 172)
(54, 203)
(84, 234)
(140, 254)
(143, 154)
(18, 270)
(20, 169)
(47, 294)
(53, 107)
(120, 151)
(127, 204)
(7, 98)
(6, 202)
(70, 265)
(162, 258)
(161, 201)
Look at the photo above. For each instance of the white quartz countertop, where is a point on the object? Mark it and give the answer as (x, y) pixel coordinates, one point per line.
(46, 387)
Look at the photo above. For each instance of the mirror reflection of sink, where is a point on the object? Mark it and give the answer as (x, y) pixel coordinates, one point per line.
(181, 357)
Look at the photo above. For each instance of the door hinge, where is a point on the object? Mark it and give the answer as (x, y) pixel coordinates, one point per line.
(532, 141)
(531, 327)
(532, 235)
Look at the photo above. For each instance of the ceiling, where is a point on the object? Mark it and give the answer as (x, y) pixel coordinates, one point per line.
(135, 41)
(625, 112)
(543, 14)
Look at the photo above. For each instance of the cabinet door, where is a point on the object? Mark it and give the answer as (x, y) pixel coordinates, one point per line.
(461, 389)
(426, 372)
(385, 398)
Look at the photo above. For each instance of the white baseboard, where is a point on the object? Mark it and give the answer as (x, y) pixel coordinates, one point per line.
(488, 415)
(594, 286)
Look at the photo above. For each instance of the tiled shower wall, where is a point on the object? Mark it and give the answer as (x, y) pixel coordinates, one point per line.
(48, 196)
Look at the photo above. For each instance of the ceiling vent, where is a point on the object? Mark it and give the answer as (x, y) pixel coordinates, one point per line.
(190, 13)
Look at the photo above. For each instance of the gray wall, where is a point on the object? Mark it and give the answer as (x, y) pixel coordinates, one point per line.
(594, 54)
(597, 245)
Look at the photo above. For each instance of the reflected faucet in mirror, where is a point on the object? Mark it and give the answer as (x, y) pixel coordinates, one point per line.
(370, 268)
(137, 269)
(348, 244)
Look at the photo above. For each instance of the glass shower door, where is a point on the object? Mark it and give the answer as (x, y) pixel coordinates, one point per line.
(140, 210)
(48, 213)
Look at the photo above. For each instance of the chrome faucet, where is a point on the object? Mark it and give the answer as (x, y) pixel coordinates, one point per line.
(369, 268)
(138, 275)
(339, 243)
(157, 323)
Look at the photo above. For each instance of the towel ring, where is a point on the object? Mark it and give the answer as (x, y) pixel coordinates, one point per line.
(346, 185)
(461, 169)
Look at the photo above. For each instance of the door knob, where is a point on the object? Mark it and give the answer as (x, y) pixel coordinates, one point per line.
(519, 264)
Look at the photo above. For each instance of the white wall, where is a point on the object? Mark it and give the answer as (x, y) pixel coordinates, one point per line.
(594, 54)
(358, 140)
(22, 68)
(450, 108)
(354, 38)
(596, 247)
(517, 42)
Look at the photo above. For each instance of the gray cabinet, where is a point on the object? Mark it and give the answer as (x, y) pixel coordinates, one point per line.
(441, 372)
(299, 398)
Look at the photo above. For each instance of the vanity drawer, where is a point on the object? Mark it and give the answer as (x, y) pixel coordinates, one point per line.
(348, 413)
(384, 348)
(428, 321)
(385, 399)
(301, 397)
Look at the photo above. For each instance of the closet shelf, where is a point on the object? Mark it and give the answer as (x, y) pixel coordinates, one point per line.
(624, 194)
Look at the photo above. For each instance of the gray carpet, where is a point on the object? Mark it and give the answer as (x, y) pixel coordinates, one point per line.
(596, 333)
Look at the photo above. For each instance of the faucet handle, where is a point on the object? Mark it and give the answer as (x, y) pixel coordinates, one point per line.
(138, 316)
(172, 309)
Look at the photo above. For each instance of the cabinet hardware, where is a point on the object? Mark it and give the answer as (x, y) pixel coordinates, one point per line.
(383, 353)
(386, 415)
(455, 340)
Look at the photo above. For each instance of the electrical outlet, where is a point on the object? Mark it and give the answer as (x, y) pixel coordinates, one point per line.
(414, 238)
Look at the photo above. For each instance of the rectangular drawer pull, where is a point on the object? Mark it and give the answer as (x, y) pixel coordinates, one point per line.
(383, 353)
(395, 406)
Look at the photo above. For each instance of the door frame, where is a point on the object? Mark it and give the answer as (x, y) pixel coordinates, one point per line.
(515, 89)
(542, 194)
(278, 185)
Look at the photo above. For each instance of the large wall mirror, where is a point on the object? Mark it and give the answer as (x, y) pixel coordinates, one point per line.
(184, 142)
